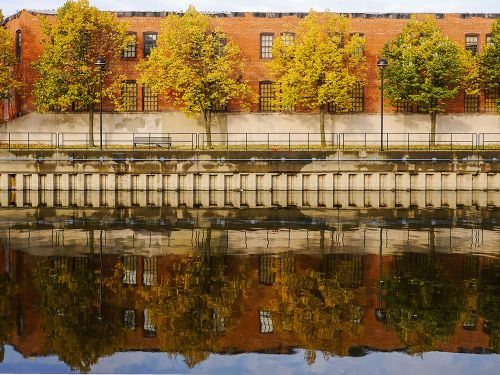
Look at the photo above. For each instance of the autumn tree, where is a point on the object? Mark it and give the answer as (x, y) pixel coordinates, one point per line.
(489, 64)
(7, 61)
(425, 68)
(196, 66)
(320, 66)
(71, 43)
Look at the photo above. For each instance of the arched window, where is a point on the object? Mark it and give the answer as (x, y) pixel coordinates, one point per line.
(18, 45)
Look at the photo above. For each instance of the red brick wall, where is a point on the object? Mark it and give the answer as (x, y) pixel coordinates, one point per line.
(245, 31)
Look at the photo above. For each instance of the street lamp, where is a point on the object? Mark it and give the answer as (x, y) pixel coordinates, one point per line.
(101, 63)
(382, 64)
(380, 313)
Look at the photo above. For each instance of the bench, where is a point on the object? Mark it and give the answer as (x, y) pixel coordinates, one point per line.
(155, 140)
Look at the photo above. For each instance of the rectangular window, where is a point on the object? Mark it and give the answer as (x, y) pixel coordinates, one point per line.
(287, 38)
(266, 95)
(405, 106)
(266, 45)
(358, 98)
(490, 99)
(130, 52)
(129, 319)
(219, 108)
(472, 43)
(149, 329)
(150, 39)
(19, 41)
(149, 99)
(129, 270)
(266, 322)
(489, 41)
(266, 273)
(149, 271)
(471, 103)
(129, 96)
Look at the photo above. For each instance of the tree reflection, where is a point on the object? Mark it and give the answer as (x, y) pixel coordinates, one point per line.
(195, 305)
(323, 310)
(489, 302)
(422, 305)
(79, 326)
(8, 290)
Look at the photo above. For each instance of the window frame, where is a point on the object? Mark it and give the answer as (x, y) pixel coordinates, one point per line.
(287, 37)
(488, 42)
(490, 100)
(128, 48)
(133, 106)
(470, 47)
(359, 51)
(147, 47)
(19, 45)
(149, 102)
(471, 103)
(267, 105)
(266, 51)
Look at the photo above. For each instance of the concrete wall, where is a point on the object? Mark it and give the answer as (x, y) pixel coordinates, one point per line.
(162, 122)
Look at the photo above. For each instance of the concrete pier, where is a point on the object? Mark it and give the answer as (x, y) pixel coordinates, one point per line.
(249, 171)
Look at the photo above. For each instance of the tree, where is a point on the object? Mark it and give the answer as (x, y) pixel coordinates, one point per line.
(320, 66)
(489, 63)
(425, 68)
(7, 61)
(68, 74)
(197, 67)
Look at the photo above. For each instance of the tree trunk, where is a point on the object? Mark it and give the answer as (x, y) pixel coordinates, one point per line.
(433, 127)
(91, 125)
(207, 120)
(322, 125)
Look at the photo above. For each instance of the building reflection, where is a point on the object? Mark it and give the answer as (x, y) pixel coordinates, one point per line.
(398, 285)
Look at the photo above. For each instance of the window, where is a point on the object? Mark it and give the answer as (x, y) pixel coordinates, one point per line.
(471, 103)
(129, 319)
(472, 43)
(130, 52)
(287, 38)
(489, 41)
(149, 99)
(19, 41)
(357, 97)
(219, 107)
(266, 273)
(129, 270)
(358, 51)
(149, 329)
(78, 106)
(266, 322)
(266, 94)
(149, 42)
(129, 95)
(266, 45)
(490, 99)
(405, 106)
(149, 271)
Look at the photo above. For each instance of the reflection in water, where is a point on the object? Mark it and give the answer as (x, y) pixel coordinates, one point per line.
(86, 283)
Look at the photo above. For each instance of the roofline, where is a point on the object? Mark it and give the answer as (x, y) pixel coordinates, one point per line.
(123, 14)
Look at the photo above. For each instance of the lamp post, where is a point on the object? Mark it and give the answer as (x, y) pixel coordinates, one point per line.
(380, 313)
(101, 63)
(382, 64)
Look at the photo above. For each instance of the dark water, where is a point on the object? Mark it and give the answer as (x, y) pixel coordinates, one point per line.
(253, 290)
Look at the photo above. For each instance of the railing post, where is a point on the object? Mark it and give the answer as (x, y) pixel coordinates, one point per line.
(28, 141)
(9, 141)
(429, 140)
(268, 141)
(307, 141)
(451, 141)
(408, 135)
(365, 141)
(386, 141)
(246, 141)
(289, 142)
(149, 140)
(227, 141)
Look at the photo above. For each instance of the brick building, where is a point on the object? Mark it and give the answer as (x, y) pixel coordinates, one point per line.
(254, 33)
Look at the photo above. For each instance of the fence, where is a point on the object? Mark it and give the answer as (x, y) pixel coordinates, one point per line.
(253, 141)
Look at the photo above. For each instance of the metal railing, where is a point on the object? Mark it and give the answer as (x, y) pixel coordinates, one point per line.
(408, 141)
(31, 140)
(253, 141)
(127, 140)
(267, 141)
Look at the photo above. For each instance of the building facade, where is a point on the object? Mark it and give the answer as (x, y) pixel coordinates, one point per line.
(254, 33)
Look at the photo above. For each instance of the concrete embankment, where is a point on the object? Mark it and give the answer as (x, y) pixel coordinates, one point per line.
(158, 169)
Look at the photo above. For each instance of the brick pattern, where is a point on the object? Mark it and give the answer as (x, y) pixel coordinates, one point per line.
(246, 30)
